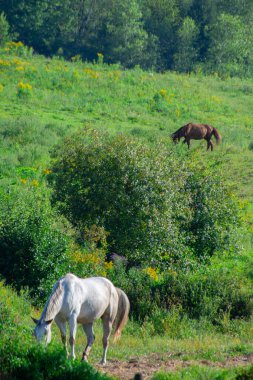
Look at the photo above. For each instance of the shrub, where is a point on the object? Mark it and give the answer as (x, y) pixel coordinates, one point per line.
(127, 188)
(33, 248)
(204, 292)
(157, 207)
(215, 213)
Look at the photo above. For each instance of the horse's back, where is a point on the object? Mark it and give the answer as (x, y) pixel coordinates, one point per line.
(197, 131)
(90, 298)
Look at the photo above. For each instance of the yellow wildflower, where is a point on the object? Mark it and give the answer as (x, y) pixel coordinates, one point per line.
(91, 73)
(23, 180)
(152, 273)
(163, 92)
(178, 112)
(24, 87)
(47, 171)
(108, 265)
(35, 182)
(3, 62)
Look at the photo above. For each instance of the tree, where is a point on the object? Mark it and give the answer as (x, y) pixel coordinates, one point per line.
(161, 19)
(125, 38)
(4, 29)
(230, 49)
(187, 52)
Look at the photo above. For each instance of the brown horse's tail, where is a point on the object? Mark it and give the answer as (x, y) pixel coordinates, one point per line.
(122, 314)
(216, 135)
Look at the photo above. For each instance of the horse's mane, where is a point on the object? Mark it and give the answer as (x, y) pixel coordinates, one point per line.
(54, 302)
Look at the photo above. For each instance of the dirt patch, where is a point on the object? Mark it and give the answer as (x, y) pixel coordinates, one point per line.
(148, 365)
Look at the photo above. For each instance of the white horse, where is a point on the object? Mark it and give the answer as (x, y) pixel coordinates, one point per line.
(75, 300)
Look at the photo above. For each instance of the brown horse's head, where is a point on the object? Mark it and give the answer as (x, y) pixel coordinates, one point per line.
(175, 138)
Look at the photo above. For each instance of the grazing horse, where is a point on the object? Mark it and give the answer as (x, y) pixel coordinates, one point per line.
(196, 132)
(75, 300)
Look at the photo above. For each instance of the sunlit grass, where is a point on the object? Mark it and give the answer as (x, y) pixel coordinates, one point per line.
(67, 95)
(135, 342)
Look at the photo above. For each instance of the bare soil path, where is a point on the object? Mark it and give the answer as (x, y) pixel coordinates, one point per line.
(148, 365)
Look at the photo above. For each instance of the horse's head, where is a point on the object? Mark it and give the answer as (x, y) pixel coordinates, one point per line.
(42, 329)
(175, 138)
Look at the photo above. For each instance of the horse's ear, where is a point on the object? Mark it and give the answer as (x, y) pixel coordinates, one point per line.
(48, 322)
(35, 320)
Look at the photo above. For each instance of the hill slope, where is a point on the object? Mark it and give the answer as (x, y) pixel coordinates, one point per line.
(42, 100)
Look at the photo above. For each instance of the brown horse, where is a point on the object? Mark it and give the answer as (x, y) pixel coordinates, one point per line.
(196, 132)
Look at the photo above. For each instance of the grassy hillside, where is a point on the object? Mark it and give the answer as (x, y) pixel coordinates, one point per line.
(42, 100)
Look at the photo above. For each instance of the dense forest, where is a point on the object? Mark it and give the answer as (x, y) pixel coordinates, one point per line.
(211, 36)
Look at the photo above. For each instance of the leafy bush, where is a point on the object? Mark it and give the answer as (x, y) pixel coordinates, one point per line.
(204, 292)
(33, 249)
(215, 214)
(125, 187)
(156, 206)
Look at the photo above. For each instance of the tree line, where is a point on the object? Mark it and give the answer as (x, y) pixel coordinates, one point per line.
(181, 35)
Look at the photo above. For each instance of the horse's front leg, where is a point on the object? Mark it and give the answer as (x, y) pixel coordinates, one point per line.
(107, 327)
(62, 327)
(88, 329)
(209, 144)
(187, 141)
(72, 333)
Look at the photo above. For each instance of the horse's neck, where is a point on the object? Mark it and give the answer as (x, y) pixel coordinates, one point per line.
(54, 303)
(181, 131)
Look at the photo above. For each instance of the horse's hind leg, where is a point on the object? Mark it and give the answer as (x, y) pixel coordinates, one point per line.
(107, 327)
(88, 329)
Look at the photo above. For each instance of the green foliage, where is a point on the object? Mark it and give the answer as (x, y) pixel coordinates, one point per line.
(126, 39)
(125, 187)
(4, 29)
(153, 204)
(154, 34)
(230, 50)
(206, 292)
(215, 218)
(33, 248)
(187, 54)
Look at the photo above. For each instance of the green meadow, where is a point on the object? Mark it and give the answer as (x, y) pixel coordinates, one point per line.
(44, 100)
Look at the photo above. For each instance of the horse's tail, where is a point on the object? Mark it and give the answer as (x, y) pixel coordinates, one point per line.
(216, 135)
(122, 313)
